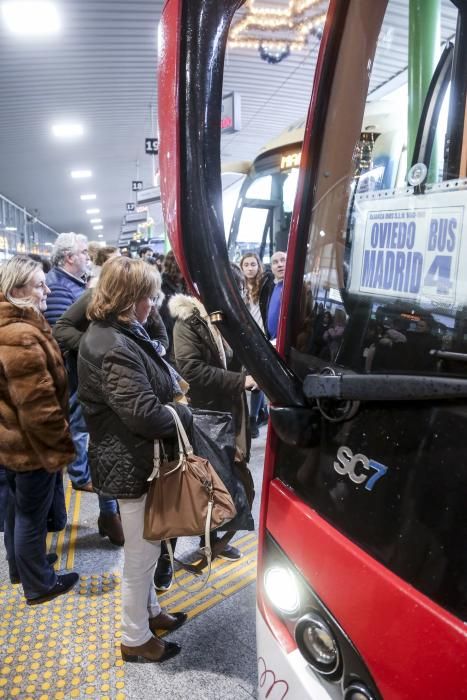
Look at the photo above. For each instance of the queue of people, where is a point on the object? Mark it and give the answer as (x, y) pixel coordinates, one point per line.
(84, 386)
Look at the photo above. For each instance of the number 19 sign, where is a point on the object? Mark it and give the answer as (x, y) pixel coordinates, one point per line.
(409, 247)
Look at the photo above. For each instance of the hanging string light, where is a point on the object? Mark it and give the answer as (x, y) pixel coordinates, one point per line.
(277, 31)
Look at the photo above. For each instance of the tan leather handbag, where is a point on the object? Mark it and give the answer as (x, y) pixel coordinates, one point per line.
(185, 497)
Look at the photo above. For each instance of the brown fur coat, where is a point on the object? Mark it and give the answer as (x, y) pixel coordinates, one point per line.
(34, 430)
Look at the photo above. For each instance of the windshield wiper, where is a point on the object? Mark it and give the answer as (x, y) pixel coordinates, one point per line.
(383, 387)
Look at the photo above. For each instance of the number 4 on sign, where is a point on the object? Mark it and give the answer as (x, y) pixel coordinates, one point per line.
(439, 274)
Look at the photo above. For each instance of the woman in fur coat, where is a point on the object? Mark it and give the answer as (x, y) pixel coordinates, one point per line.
(35, 441)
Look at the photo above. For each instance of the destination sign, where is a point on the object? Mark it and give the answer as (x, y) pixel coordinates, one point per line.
(409, 248)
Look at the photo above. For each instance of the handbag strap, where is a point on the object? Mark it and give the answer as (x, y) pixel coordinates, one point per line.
(184, 446)
(207, 554)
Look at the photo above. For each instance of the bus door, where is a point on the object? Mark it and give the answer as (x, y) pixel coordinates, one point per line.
(362, 572)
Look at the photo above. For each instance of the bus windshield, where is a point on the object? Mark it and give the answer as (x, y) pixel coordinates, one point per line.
(385, 287)
(261, 222)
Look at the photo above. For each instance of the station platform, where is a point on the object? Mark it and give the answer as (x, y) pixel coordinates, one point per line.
(70, 646)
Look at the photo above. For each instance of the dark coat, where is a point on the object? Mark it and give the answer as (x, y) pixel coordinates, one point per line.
(34, 430)
(123, 386)
(265, 292)
(72, 325)
(198, 360)
(64, 290)
(197, 357)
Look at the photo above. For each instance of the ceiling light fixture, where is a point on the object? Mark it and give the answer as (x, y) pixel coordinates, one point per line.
(67, 130)
(95, 221)
(31, 18)
(100, 235)
(93, 211)
(98, 228)
(78, 174)
(87, 197)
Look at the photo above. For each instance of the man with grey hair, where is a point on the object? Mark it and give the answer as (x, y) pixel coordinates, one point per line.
(67, 282)
(66, 279)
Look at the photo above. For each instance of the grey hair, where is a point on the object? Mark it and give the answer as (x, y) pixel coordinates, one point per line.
(15, 273)
(66, 244)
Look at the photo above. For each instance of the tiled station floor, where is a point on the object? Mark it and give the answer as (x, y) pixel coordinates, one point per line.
(69, 647)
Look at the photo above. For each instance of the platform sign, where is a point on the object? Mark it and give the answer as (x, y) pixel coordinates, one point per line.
(136, 185)
(231, 117)
(411, 248)
(151, 146)
(130, 206)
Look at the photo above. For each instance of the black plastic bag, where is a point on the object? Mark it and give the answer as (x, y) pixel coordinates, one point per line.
(214, 439)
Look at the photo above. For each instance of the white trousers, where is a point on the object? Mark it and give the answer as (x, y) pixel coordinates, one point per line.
(139, 599)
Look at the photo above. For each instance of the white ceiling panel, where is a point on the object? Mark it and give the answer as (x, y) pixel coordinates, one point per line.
(101, 71)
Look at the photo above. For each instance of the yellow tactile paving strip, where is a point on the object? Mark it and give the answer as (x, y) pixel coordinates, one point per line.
(226, 579)
(69, 647)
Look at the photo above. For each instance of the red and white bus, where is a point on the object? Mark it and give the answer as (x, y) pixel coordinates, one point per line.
(362, 571)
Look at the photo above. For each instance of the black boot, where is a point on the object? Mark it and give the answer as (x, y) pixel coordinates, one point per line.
(110, 526)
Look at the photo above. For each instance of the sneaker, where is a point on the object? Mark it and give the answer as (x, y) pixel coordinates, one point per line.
(14, 576)
(230, 553)
(163, 576)
(63, 585)
(254, 430)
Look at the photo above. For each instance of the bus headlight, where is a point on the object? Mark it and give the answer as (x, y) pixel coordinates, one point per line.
(282, 590)
(358, 691)
(317, 644)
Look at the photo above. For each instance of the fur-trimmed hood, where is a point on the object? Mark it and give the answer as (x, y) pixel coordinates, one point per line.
(183, 306)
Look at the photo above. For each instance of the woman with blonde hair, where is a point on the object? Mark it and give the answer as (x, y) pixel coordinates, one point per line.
(35, 442)
(124, 385)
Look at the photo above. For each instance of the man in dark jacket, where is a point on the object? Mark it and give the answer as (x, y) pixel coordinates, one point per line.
(278, 261)
(66, 281)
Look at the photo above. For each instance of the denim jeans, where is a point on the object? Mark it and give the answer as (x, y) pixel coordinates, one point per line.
(30, 497)
(257, 403)
(78, 470)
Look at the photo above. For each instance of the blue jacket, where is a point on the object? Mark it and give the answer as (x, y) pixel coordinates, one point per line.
(64, 290)
(274, 309)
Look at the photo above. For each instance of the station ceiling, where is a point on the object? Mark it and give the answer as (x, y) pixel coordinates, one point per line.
(100, 71)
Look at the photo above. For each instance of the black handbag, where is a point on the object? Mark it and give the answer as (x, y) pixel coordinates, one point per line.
(214, 439)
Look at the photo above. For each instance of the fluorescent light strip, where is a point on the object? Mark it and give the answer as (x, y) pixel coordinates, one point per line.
(93, 211)
(98, 228)
(95, 221)
(79, 174)
(67, 130)
(36, 18)
(88, 197)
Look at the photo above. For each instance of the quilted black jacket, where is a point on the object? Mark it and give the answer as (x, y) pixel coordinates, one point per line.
(123, 386)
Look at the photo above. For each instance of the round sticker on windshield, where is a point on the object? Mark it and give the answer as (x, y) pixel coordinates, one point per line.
(417, 174)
